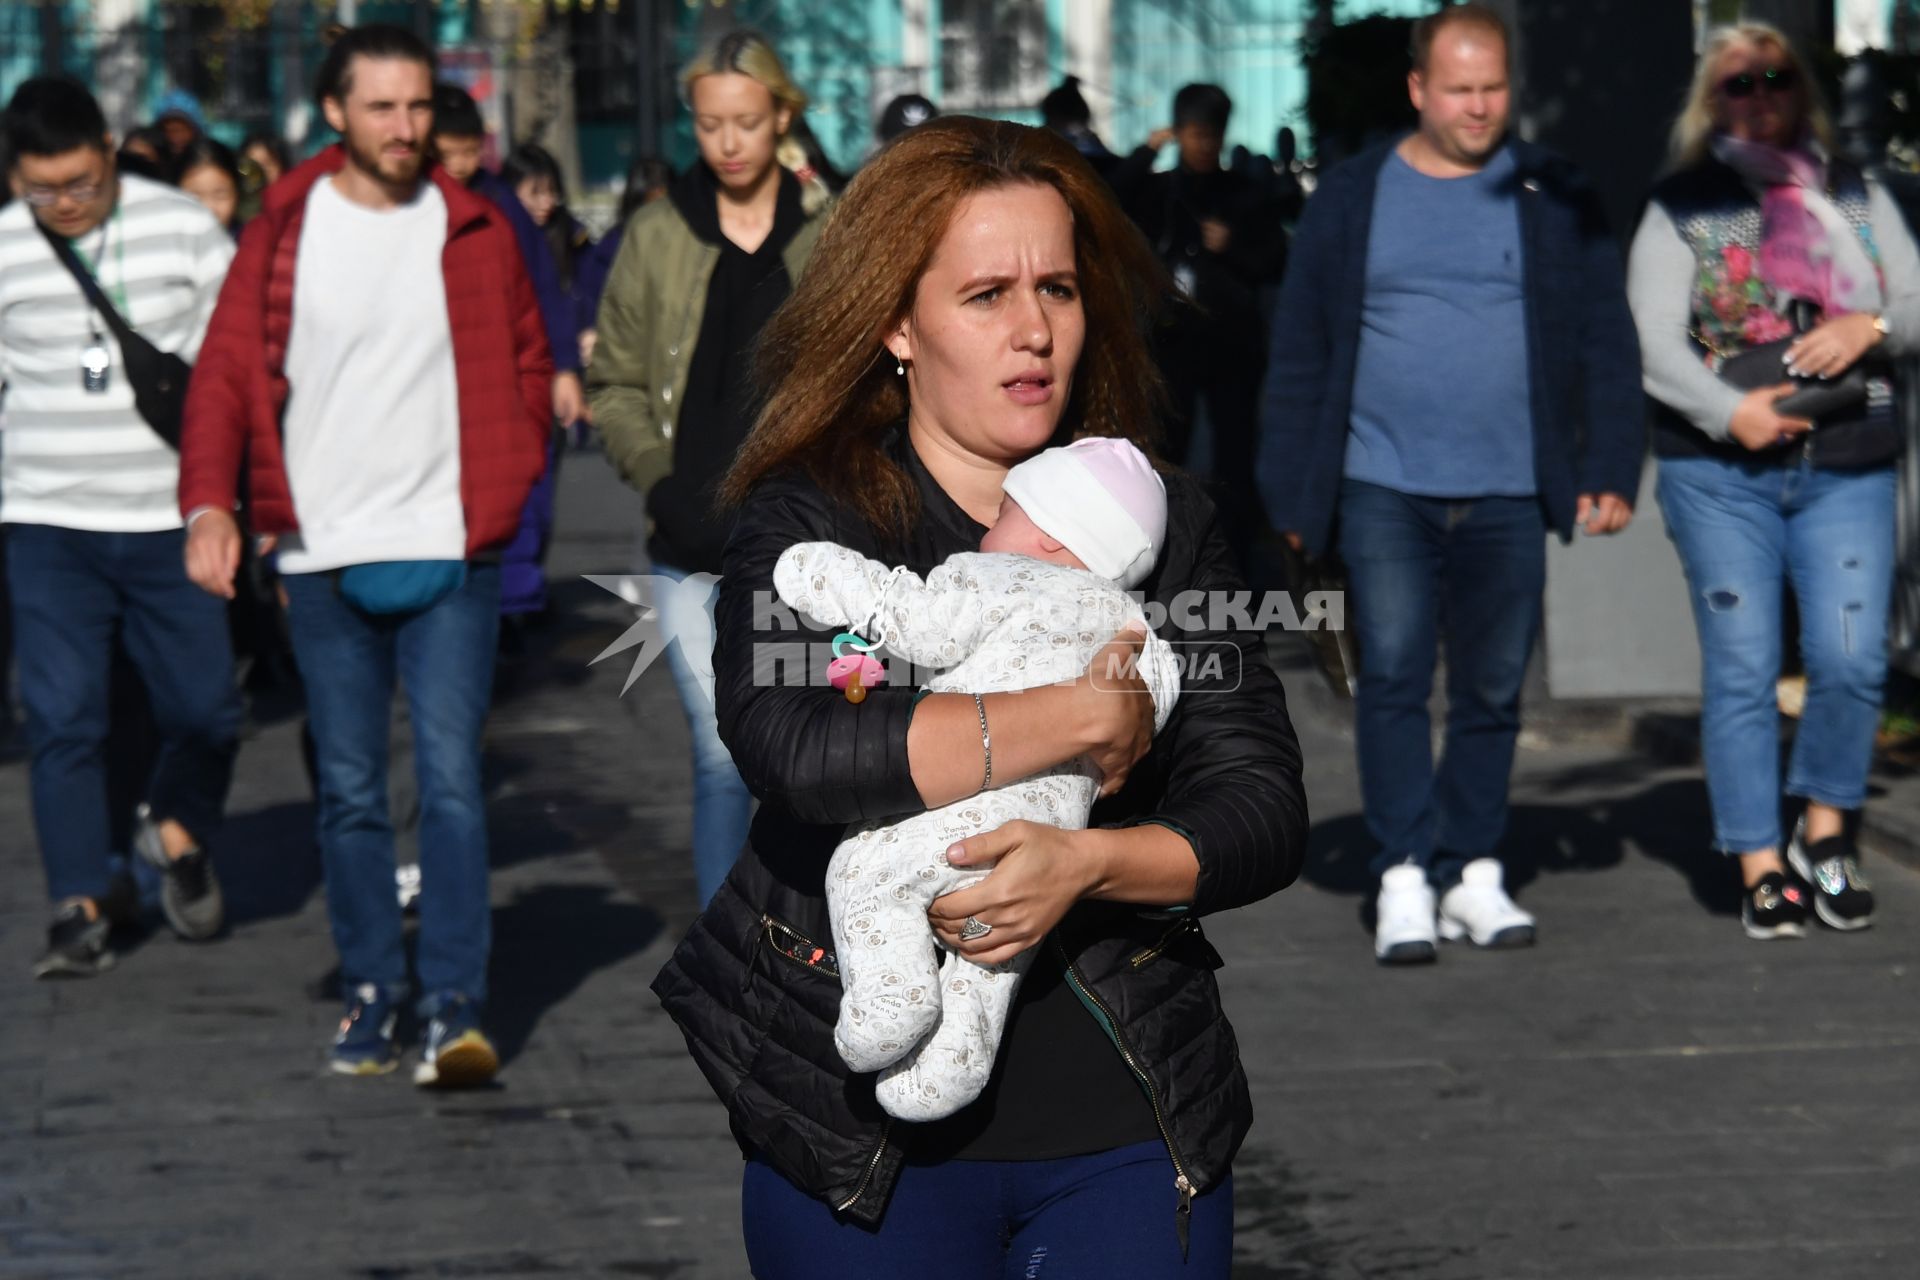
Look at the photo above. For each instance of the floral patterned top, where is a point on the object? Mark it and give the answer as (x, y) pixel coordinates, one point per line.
(1733, 309)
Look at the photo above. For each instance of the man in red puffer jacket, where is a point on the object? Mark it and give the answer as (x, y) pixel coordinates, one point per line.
(377, 360)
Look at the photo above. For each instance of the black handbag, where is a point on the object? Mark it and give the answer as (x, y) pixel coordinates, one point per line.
(158, 378)
(1852, 414)
(1822, 400)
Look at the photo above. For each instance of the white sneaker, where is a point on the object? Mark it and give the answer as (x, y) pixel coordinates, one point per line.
(1479, 908)
(1403, 932)
(406, 885)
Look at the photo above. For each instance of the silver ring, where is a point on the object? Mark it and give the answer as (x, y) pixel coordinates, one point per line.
(974, 929)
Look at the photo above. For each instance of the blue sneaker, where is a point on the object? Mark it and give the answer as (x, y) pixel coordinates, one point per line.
(457, 1054)
(364, 1045)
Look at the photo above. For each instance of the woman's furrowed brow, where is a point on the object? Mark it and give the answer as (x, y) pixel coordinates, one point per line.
(1001, 279)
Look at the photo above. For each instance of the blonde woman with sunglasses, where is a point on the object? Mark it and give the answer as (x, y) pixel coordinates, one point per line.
(1770, 280)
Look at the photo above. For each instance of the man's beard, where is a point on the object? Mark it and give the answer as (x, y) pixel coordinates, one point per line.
(390, 169)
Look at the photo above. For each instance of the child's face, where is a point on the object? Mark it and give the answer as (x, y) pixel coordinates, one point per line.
(1014, 534)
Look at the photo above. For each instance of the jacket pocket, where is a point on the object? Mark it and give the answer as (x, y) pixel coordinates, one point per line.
(797, 948)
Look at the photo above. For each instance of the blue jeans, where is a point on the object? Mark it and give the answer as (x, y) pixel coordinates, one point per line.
(1080, 1218)
(722, 805)
(72, 590)
(1421, 571)
(1742, 530)
(443, 657)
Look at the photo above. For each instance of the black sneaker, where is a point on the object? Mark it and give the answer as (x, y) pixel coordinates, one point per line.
(1842, 898)
(364, 1044)
(1775, 908)
(189, 894)
(76, 946)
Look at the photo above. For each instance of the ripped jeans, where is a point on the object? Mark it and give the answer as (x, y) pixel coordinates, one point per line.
(1741, 530)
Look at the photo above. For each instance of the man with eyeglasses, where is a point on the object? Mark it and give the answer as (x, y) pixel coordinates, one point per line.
(1454, 373)
(95, 544)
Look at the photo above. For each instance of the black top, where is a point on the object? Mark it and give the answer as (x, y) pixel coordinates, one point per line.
(1059, 1087)
(719, 400)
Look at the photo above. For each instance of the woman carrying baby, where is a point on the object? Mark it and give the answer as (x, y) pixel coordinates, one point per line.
(976, 299)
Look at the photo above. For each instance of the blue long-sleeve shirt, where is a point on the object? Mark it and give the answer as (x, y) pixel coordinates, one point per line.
(590, 276)
(556, 308)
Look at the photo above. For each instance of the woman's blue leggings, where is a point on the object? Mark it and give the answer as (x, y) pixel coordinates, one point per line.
(1079, 1218)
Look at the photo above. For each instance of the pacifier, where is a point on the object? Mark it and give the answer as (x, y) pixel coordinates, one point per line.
(854, 673)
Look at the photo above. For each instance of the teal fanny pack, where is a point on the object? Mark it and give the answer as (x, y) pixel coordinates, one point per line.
(401, 586)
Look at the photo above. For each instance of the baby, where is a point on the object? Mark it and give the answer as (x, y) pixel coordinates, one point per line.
(1045, 593)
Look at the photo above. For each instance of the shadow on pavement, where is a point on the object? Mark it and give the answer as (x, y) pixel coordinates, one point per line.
(268, 861)
(541, 802)
(546, 943)
(1668, 822)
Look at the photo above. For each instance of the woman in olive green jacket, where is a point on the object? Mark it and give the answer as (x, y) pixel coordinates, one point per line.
(696, 278)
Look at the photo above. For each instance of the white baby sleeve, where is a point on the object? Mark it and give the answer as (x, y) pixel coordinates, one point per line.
(929, 624)
(831, 584)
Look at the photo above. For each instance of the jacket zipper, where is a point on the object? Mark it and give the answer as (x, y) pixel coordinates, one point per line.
(880, 1149)
(1183, 1214)
(1141, 959)
(805, 952)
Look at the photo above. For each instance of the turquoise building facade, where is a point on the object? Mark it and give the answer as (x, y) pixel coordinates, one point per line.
(989, 57)
(997, 57)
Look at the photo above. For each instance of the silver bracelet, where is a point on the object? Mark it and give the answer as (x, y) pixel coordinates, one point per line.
(986, 741)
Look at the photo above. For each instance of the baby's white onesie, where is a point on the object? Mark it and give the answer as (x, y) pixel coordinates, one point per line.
(994, 623)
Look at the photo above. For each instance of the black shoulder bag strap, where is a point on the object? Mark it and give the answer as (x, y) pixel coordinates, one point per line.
(158, 378)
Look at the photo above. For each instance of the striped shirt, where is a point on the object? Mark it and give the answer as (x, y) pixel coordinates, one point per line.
(88, 460)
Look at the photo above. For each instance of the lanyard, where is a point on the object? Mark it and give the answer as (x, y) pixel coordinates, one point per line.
(119, 291)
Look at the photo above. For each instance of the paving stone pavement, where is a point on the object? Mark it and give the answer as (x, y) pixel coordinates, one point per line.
(1646, 1094)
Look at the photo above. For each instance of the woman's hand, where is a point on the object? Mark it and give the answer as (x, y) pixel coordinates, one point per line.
(1831, 349)
(1758, 425)
(1039, 872)
(1113, 709)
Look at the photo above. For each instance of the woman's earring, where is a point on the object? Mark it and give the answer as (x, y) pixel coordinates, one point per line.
(899, 367)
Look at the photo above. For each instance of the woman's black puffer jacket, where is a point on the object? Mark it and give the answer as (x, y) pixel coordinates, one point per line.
(753, 985)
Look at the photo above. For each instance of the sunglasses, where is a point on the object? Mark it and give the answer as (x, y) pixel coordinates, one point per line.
(1773, 80)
